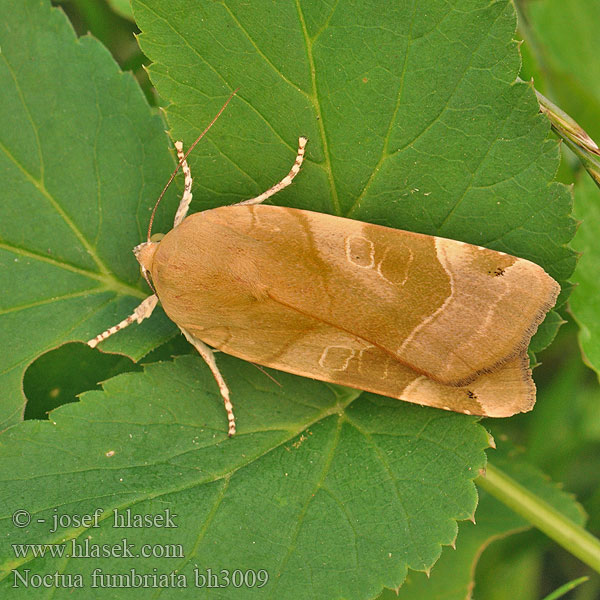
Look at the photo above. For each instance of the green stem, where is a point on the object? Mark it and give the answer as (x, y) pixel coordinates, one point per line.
(563, 589)
(546, 518)
(584, 147)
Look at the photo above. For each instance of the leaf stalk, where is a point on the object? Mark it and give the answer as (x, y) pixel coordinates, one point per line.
(565, 532)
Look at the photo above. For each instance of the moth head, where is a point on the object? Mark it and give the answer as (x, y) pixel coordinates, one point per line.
(144, 253)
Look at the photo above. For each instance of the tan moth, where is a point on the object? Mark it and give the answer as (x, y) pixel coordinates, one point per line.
(420, 318)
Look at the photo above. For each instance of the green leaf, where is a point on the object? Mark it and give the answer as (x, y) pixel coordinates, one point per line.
(122, 7)
(408, 124)
(332, 494)
(572, 72)
(457, 165)
(521, 561)
(568, 57)
(414, 121)
(81, 158)
(454, 575)
(585, 300)
(510, 568)
(560, 438)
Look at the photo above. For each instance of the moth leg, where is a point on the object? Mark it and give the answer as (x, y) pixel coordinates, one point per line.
(184, 205)
(143, 311)
(285, 181)
(209, 358)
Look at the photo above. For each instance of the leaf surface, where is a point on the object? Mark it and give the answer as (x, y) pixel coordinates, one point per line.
(568, 62)
(454, 575)
(585, 301)
(409, 125)
(332, 493)
(571, 70)
(414, 121)
(80, 165)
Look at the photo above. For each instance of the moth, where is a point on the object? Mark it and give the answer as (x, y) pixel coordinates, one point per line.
(424, 319)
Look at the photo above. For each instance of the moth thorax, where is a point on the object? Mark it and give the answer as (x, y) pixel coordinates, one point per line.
(145, 254)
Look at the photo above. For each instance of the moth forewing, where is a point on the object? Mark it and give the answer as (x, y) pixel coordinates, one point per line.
(420, 318)
(347, 302)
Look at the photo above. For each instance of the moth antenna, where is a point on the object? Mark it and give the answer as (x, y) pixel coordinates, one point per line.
(184, 157)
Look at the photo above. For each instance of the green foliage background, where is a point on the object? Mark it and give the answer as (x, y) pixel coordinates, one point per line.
(415, 121)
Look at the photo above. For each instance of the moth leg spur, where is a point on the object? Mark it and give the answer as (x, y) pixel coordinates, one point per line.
(143, 311)
(285, 181)
(209, 358)
(184, 204)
